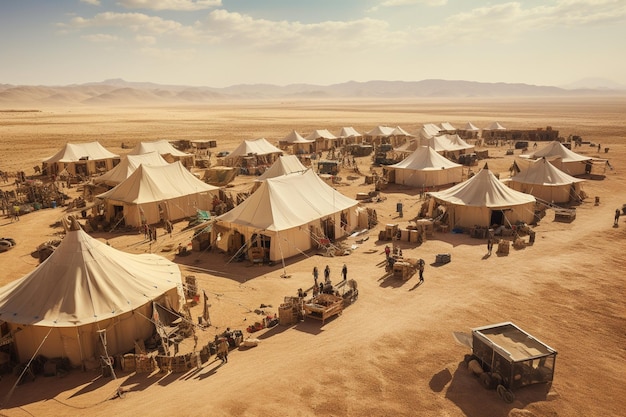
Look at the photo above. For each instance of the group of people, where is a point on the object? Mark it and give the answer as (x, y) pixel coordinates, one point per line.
(149, 232)
(318, 286)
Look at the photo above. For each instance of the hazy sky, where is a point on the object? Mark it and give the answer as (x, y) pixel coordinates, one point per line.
(219, 43)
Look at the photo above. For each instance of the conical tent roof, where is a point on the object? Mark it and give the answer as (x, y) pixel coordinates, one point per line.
(156, 183)
(295, 137)
(382, 131)
(284, 165)
(127, 166)
(495, 126)
(85, 281)
(555, 149)
(398, 131)
(288, 201)
(448, 143)
(163, 147)
(447, 126)
(349, 132)
(543, 172)
(483, 190)
(255, 147)
(471, 127)
(73, 152)
(425, 158)
(321, 134)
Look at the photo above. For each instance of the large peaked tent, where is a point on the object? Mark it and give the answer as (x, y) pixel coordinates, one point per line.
(81, 159)
(546, 182)
(564, 159)
(166, 150)
(291, 212)
(127, 166)
(484, 201)
(155, 193)
(426, 168)
(83, 287)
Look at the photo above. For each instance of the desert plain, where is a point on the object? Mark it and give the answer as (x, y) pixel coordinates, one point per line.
(391, 353)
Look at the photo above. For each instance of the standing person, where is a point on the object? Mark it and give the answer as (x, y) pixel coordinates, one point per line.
(598, 147)
(421, 269)
(16, 213)
(145, 231)
(149, 232)
(315, 275)
(344, 272)
(154, 234)
(616, 222)
(223, 350)
(489, 246)
(399, 209)
(327, 274)
(387, 251)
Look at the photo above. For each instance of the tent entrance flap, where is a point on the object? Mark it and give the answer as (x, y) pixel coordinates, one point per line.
(497, 217)
(328, 226)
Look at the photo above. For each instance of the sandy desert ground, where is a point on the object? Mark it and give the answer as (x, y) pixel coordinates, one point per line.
(392, 352)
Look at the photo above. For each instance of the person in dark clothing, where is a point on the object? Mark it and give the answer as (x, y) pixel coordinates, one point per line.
(616, 222)
(327, 274)
(489, 246)
(421, 264)
(344, 272)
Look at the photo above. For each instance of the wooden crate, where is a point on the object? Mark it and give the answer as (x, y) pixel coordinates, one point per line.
(144, 364)
(127, 362)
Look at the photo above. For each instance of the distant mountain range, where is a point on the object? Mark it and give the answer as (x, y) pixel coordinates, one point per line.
(120, 92)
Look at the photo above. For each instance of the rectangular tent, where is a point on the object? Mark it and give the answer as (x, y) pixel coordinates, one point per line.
(155, 193)
(287, 215)
(166, 150)
(81, 159)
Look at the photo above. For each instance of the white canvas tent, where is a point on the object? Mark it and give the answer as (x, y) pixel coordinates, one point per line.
(289, 214)
(484, 201)
(251, 154)
(350, 135)
(429, 130)
(563, 158)
(469, 131)
(85, 286)
(166, 150)
(81, 159)
(127, 166)
(447, 127)
(155, 193)
(495, 126)
(297, 142)
(323, 139)
(449, 145)
(546, 182)
(426, 168)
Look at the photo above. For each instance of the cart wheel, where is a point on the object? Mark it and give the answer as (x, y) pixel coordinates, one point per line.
(506, 394)
(486, 380)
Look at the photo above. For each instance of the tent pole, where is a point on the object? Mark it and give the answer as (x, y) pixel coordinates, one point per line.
(10, 393)
(80, 349)
(282, 258)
